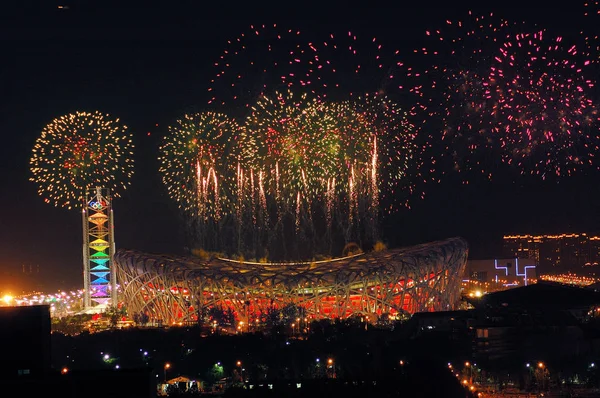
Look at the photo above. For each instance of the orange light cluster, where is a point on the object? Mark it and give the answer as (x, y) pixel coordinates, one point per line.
(570, 279)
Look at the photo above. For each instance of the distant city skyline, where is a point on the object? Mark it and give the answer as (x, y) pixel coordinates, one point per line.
(569, 252)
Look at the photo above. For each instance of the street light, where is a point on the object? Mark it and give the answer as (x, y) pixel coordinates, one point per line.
(167, 366)
(331, 365)
(7, 299)
(239, 365)
(468, 365)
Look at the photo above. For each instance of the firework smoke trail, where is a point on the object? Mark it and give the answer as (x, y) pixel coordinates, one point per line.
(352, 196)
(374, 181)
(239, 191)
(262, 197)
(298, 210)
(252, 190)
(239, 204)
(206, 185)
(194, 166)
(330, 198)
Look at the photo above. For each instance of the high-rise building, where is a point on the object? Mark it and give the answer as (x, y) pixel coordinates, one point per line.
(555, 253)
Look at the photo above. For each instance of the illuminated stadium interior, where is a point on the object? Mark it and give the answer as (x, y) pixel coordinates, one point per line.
(173, 289)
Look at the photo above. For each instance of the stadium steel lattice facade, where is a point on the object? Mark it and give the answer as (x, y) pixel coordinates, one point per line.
(170, 289)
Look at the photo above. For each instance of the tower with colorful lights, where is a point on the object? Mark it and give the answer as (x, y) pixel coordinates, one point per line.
(99, 280)
(80, 161)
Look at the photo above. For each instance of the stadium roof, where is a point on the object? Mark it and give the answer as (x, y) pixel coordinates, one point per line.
(410, 261)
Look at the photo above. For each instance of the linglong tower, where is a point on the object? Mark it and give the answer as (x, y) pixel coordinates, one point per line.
(99, 278)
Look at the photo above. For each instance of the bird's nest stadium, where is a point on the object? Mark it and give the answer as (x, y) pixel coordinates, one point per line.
(173, 289)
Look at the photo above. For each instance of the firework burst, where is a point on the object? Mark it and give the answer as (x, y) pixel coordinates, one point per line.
(546, 120)
(446, 81)
(79, 151)
(320, 146)
(197, 159)
(292, 142)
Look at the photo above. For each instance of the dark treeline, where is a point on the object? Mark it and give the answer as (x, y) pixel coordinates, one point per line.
(334, 359)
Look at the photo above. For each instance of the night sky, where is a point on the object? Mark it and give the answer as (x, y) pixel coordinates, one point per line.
(149, 64)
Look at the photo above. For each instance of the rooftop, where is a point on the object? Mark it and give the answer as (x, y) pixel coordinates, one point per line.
(541, 295)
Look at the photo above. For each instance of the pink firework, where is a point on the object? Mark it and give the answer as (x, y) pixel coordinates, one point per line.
(330, 67)
(263, 59)
(591, 8)
(546, 120)
(350, 65)
(445, 78)
(589, 34)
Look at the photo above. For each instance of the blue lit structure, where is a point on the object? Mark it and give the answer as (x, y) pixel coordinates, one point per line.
(516, 271)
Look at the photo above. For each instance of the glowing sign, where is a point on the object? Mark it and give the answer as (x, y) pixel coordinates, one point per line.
(517, 273)
(97, 205)
(524, 274)
(500, 267)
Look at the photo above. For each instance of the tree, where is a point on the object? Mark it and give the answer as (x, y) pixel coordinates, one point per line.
(384, 321)
(70, 325)
(291, 312)
(140, 318)
(215, 373)
(542, 376)
(283, 317)
(115, 314)
(222, 317)
(229, 318)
